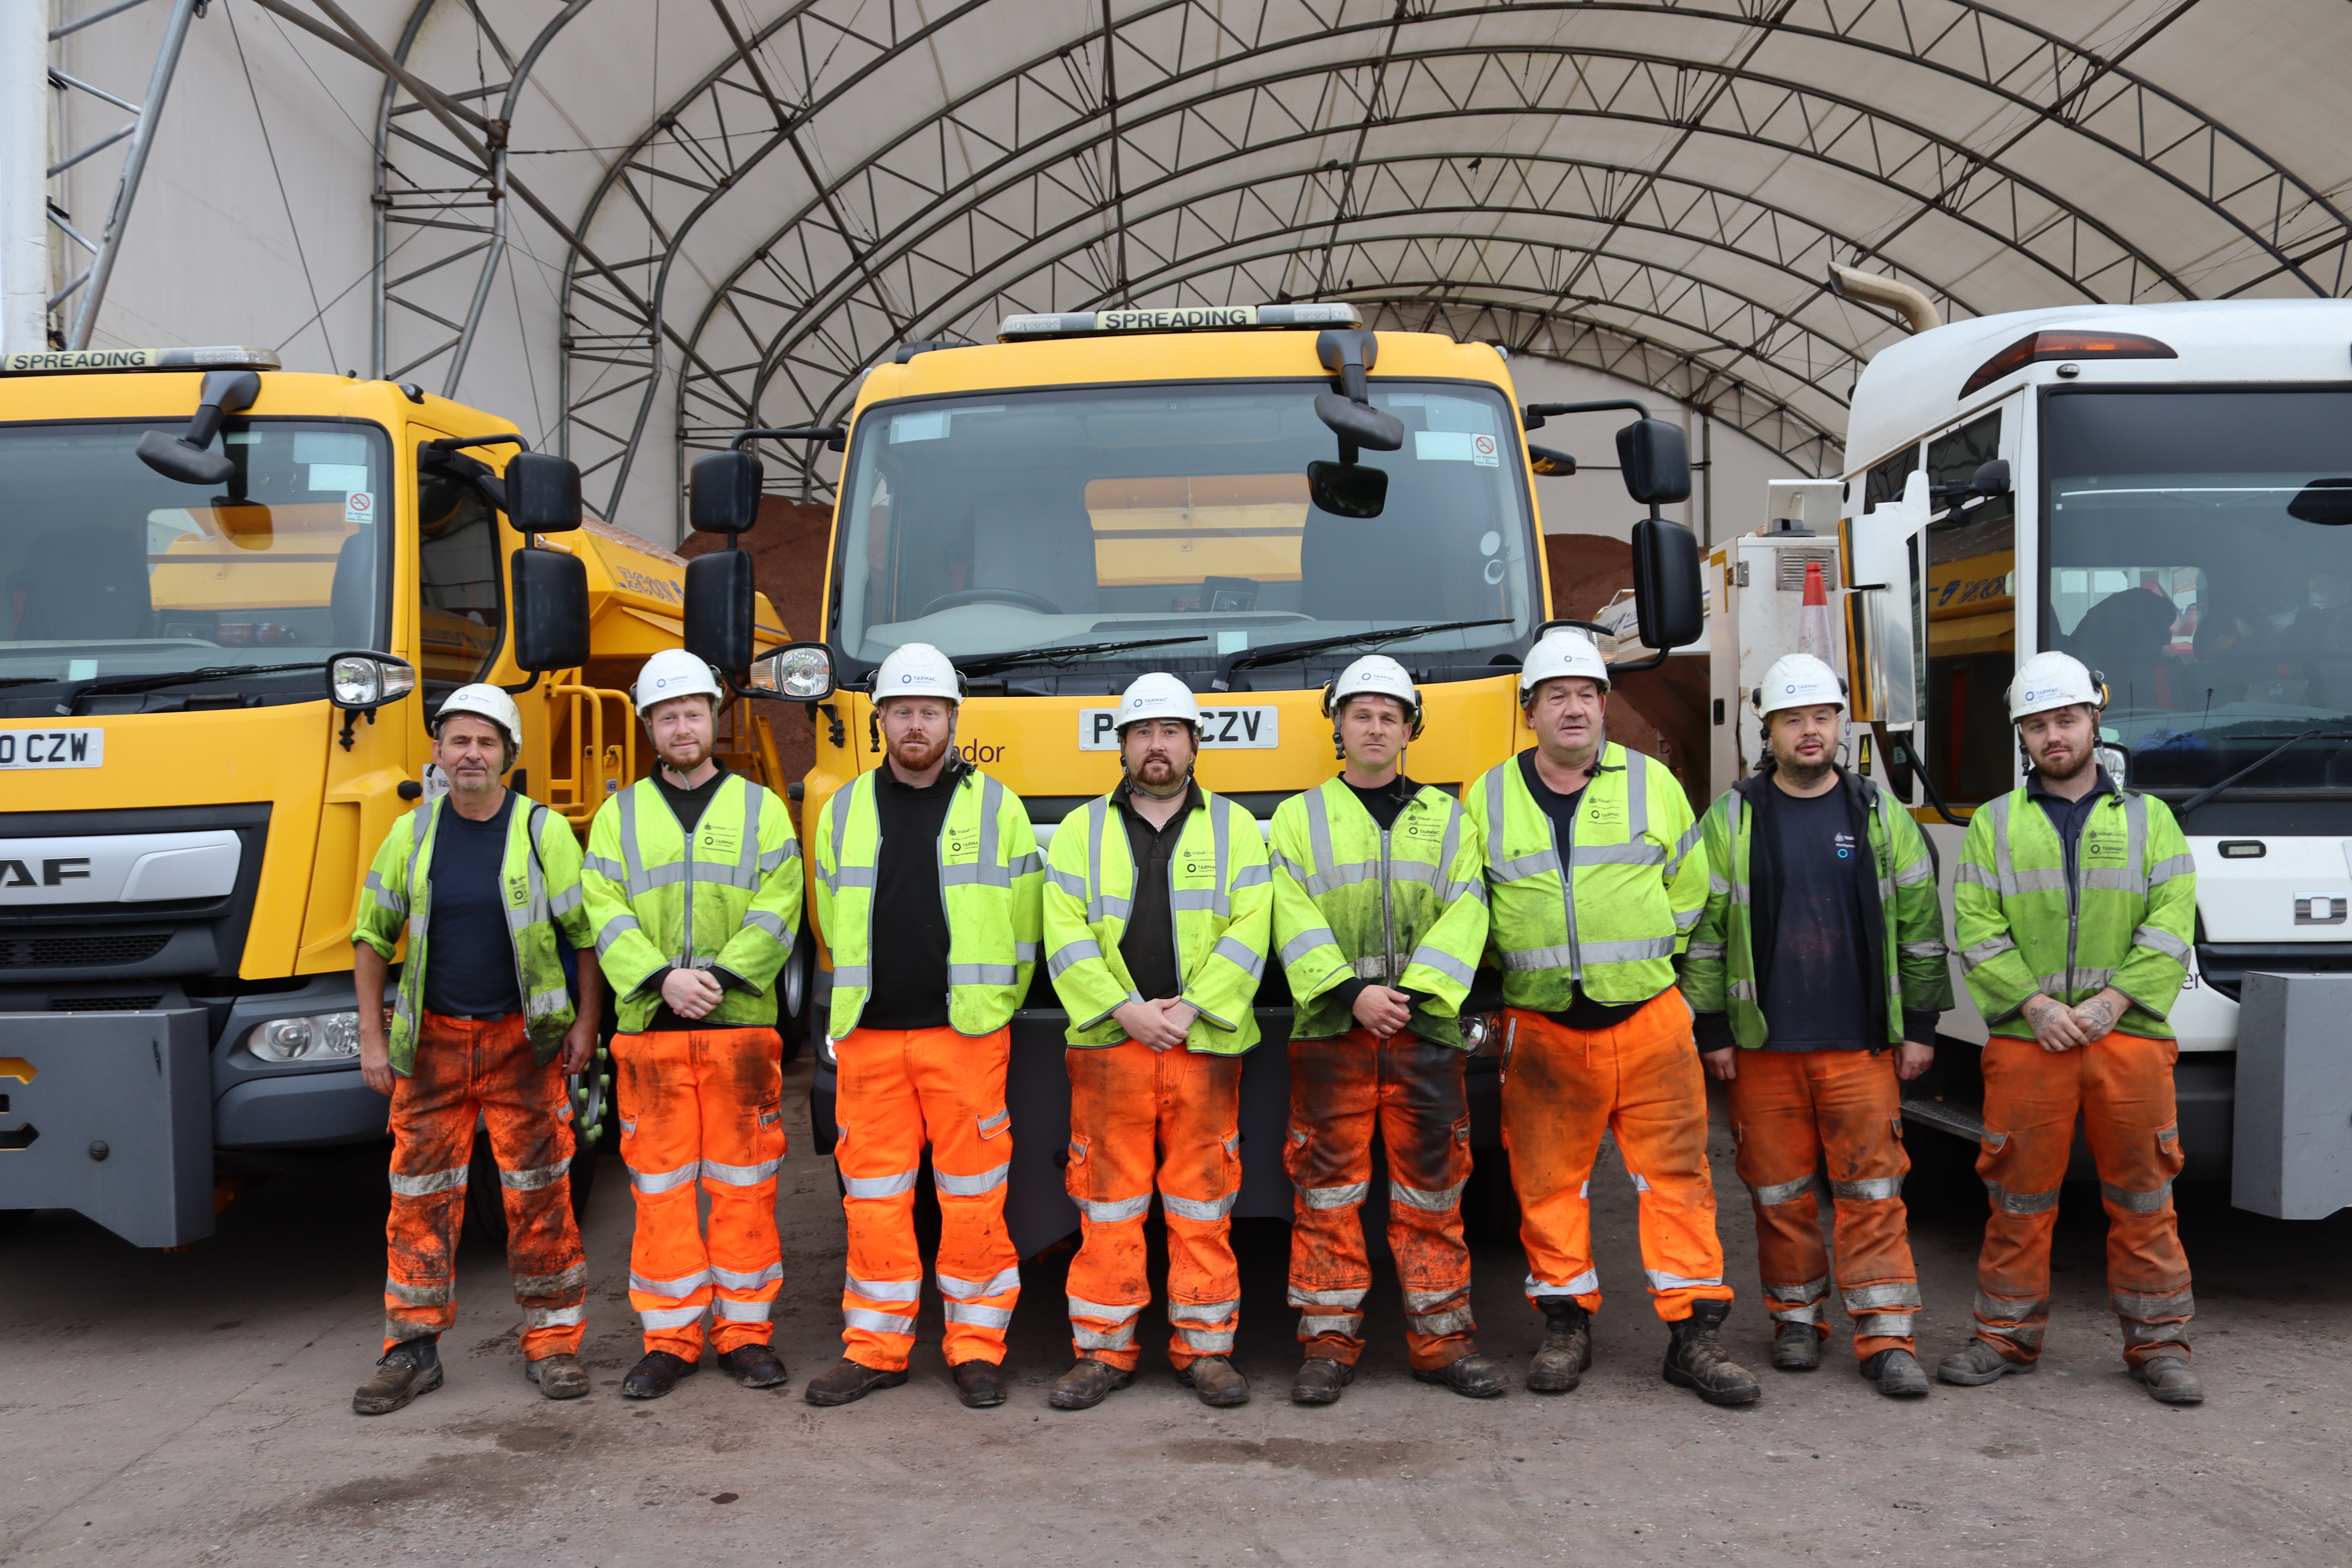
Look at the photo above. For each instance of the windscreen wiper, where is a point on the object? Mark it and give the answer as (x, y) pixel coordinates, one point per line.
(1280, 651)
(1061, 653)
(211, 672)
(2210, 791)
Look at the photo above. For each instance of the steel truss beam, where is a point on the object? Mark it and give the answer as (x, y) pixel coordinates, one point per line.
(1008, 195)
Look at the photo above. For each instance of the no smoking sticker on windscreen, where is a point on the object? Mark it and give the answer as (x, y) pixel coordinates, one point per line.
(359, 506)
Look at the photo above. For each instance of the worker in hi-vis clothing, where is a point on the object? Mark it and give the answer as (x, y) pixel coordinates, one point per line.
(1594, 880)
(694, 889)
(1379, 916)
(1157, 905)
(2073, 909)
(487, 885)
(939, 859)
(1818, 974)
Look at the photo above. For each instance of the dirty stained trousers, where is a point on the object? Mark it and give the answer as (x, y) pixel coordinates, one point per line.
(703, 1105)
(1639, 1080)
(467, 1071)
(901, 1089)
(1410, 1091)
(1794, 1112)
(2122, 1085)
(1165, 1120)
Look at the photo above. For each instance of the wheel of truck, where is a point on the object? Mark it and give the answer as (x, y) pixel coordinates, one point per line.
(595, 1133)
(12, 1220)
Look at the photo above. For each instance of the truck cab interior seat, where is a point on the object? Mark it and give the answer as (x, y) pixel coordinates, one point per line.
(1042, 544)
(85, 585)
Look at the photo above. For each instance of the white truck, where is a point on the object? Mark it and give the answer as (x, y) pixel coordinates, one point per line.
(2163, 491)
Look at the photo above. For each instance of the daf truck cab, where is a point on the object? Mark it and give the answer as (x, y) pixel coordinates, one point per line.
(229, 596)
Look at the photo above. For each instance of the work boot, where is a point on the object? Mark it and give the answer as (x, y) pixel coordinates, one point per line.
(2170, 1380)
(1978, 1362)
(1796, 1347)
(979, 1383)
(1565, 1354)
(657, 1374)
(1474, 1375)
(1215, 1380)
(1897, 1374)
(1319, 1380)
(403, 1371)
(755, 1365)
(1088, 1385)
(1695, 1360)
(558, 1376)
(847, 1382)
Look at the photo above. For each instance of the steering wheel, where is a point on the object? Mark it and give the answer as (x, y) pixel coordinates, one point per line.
(1025, 600)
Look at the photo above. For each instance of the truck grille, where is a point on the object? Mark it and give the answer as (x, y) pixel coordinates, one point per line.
(104, 1003)
(56, 952)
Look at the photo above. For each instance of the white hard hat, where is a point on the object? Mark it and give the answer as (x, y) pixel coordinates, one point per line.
(1374, 675)
(1563, 651)
(2049, 680)
(483, 701)
(1797, 680)
(917, 669)
(1157, 695)
(674, 672)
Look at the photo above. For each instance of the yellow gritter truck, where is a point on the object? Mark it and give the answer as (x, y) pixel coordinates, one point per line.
(229, 595)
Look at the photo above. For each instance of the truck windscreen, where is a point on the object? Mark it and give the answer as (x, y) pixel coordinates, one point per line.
(2196, 552)
(108, 568)
(1030, 520)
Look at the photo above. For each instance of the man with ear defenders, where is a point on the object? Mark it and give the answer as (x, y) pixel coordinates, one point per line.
(1816, 975)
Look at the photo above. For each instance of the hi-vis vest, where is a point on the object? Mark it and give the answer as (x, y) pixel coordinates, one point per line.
(2120, 911)
(1404, 906)
(1219, 893)
(1719, 971)
(731, 901)
(989, 876)
(1608, 910)
(541, 891)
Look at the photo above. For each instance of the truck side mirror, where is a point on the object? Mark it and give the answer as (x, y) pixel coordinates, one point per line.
(1655, 462)
(549, 608)
(1549, 464)
(723, 496)
(543, 492)
(187, 457)
(1669, 596)
(721, 606)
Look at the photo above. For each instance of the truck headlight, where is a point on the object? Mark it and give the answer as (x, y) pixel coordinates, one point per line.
(322, 1037)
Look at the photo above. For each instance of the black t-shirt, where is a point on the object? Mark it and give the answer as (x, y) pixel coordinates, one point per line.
(1147, 946)
(910, 947)
(1813, 984)
(1386, 803)
(1583, 1013)
(688, 806)
(469, 970)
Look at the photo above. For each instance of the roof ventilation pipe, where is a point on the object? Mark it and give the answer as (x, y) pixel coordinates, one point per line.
(1913, 306)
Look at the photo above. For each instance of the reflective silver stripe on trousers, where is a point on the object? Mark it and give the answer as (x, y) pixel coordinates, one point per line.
(683, 1285)
(2021, 1202)
(1313, 1323)
(973, 1186)
(741, 1175)
(671, 1317)
(735, 1279)
(977, 1316)
(2136, 1203)
(1437, 1202)
(1351, 1297)
(1584, 1284)
(1207, 1341)
(1780, 1191)
(1119, 1339)
(2139, 1333)
(1662, 1280)
(1202, 1311)
(888, 1186)
(1809, 1312)
(563, 1280)
(1879, 1298)
(878, 1323)
(530, 1181)
(1198, 1211)
(1117, 1211)
(425, 1186)
(1430, 1300)
(1993, 1309)
(1439, 1323)
(417, 1295)
(664, 1181)
(1082, 1308)
(554, 1317)
(1873, 1189)
(1883, 1325)
(974, 1289)
(2183, 1304)
(1333, 1197)
(882, 1290)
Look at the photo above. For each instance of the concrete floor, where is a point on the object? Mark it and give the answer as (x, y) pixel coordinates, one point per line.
(194, 1407)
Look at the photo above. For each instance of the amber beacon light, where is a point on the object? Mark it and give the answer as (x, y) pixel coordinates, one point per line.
(2036, 346)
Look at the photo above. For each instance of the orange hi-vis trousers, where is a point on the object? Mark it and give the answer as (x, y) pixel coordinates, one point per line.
(708, 1104)
(1140, 1117)
(1410, 1091)
(1794, 1112)
(901, 1089)
(467, 1071)
(1640, 1081)
(2122, 1085)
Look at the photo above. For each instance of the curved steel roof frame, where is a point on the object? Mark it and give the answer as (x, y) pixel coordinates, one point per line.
(853, 267)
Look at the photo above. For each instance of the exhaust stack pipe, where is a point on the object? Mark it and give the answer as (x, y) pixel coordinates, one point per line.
(1915, 308)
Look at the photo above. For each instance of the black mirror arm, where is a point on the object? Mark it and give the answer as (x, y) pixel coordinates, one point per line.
(458, 443)
(825, 433)
(1533, 415)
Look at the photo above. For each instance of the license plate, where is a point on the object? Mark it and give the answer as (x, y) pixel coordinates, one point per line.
(52, 748)
(1229, 729)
